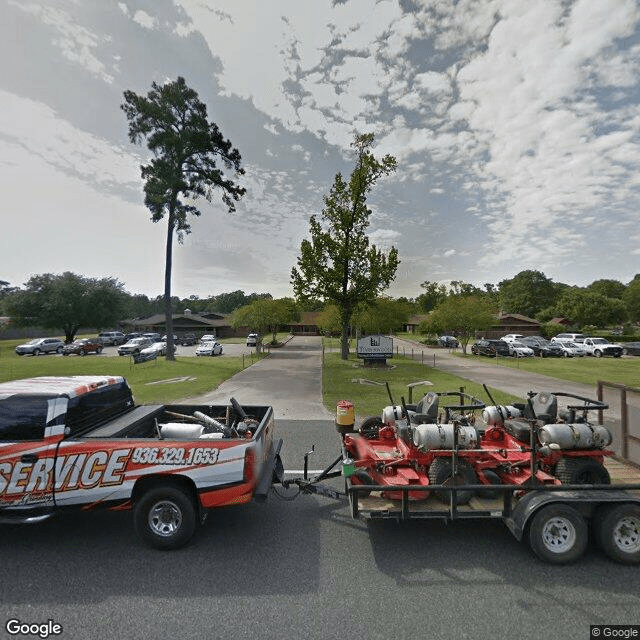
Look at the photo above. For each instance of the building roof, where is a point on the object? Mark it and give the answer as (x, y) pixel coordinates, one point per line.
(517, 317)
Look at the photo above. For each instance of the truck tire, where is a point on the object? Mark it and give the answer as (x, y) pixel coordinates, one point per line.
(440, 473)
(617, 530)
(581, 471)
(597, 353)
(558, 534)
(165, 517)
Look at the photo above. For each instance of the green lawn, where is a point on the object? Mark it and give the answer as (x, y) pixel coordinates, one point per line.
(587, 370)
(349, 380)
(157, 381)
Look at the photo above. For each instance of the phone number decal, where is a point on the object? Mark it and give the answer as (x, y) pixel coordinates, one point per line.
(174, 455)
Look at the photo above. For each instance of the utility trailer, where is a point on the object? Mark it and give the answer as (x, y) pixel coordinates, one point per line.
(550, 495)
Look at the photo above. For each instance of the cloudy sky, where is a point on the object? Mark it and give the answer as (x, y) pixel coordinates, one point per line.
(515, 123)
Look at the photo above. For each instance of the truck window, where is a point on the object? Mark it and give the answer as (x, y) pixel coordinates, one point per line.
(23, 418)
(96, 407)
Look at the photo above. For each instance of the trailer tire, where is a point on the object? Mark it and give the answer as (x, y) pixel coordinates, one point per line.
(581, 471)
(165, 517)
(558, 534)
(617, 531)
(440, 473)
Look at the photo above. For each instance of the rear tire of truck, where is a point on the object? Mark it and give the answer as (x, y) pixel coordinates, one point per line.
(558, 534)
(617, 530)
(165, 517)
(581, 471)
(440, 472)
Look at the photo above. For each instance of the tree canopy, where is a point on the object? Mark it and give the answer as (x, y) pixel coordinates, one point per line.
(338, 264)
(527, 293)
(67, 302)
(189, 155)
(265, 315)
(462, 316)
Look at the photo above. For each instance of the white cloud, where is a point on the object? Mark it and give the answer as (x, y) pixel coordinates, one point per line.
(144, 19)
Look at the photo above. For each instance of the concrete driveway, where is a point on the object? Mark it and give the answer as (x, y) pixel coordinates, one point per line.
(290, 380)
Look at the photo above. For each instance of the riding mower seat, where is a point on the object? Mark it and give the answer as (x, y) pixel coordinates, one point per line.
(426, 410)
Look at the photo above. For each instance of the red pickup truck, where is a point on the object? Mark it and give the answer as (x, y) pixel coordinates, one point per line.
(81, 442)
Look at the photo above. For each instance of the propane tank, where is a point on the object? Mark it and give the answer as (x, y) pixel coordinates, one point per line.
(181, 431)
(391, 413)
(440, 436)
(575, 436)
(493, 418)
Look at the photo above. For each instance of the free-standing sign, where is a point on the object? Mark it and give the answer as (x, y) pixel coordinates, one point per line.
(375, 347)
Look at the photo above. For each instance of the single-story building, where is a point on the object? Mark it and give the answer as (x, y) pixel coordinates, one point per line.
(511, 323)
(213, 323)
(307, 325)
(411, 326)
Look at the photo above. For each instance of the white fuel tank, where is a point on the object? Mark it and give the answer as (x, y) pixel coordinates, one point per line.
(440, 436)
(575, 436)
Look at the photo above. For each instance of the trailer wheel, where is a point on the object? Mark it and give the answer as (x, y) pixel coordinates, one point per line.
(558, 534)
(581, 471)
(618, 533)
(165, 517)
(440, 472)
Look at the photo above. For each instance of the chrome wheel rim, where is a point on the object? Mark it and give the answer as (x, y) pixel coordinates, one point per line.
(165, 518)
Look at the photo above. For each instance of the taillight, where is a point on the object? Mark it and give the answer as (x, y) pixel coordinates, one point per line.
(249, 465)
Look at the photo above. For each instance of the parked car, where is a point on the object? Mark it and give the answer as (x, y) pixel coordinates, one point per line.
(519, 350)
(252, 340)
(448, 341)
(134, 347)
(209, 348)
(188, 339)
(82, 346)
(131, 336)
(157, 348)
(164, 338)
(570, 349)
(154, 337)
(485, 347)
(512, 337)
(542, 347)
(631, 349)
(207, 337)
(109, 338)
(571, 337)
(599, 347)
(40, 345)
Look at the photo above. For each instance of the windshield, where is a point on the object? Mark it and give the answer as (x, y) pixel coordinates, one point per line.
(600, 341)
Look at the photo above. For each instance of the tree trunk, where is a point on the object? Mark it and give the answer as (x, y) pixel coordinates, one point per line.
(344, 343)
(168, 313)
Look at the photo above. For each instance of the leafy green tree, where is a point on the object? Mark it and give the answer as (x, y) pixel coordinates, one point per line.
(607, 288)
(68, 302)
(527, 293)
(631, 299)
(433, 295)
(585, 308)
(265, 315)
(338, 265)
(462, 316)
(189, 153)
(383, 316)
(329, 320)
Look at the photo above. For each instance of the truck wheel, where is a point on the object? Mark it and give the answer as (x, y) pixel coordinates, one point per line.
(618, 533)
(558, 534)
(165, 517)
(440, 473)
(581, 471)
(597, 353)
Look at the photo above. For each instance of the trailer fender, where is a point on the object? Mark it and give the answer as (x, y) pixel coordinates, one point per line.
(584, 501)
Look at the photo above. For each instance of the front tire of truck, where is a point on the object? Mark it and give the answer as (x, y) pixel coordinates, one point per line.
(165, 517)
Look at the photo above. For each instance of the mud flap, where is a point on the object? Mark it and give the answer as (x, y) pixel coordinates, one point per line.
(273, 468)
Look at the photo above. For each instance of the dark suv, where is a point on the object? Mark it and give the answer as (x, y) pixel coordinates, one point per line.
(542, 347)
(490, 348)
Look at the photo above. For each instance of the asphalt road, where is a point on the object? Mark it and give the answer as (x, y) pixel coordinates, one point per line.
(302, 568)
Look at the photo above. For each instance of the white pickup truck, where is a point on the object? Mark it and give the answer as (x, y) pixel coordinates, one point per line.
(599, 347)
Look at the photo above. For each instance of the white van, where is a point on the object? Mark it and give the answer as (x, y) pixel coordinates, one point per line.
(569, 337)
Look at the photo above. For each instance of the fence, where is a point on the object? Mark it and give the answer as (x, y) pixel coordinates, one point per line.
(623, 418)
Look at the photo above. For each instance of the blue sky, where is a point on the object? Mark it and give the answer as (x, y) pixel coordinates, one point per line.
(516, 125)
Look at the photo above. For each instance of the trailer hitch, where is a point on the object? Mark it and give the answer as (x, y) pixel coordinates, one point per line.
(312, 485)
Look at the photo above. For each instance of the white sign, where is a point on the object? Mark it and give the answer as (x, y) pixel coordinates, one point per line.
(375, 347)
